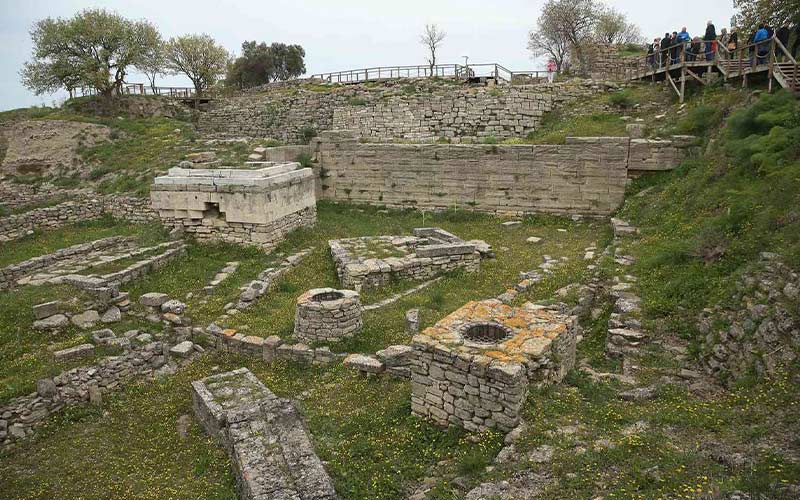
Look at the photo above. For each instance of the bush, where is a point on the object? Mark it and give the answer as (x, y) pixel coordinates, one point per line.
(305, 160)
(306, 134)
(622, 99)
(700, 120)
(357, 101)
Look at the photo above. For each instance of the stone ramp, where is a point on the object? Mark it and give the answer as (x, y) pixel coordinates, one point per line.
(269, 445)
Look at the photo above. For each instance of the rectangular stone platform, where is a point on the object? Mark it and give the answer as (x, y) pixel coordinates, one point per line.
(373, 261)
(270, 448)
(243, 206)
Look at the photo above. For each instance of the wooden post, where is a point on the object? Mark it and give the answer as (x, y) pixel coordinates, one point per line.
(771, 56)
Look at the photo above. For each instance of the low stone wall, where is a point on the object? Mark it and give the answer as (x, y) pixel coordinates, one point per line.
(19, 416)
(10, 274)
(135, 210)
(604, 61)
(650, 155)
(400, 109)
(413, 258)
(270, 448)
(587, 175)
(758, 333)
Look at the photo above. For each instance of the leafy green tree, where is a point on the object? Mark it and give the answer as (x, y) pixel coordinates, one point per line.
(751, 13)
(153, 61)
(94, 48)
(261, 63)
(198, 57)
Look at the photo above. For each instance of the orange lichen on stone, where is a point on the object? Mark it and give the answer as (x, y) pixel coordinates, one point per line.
(230, 332)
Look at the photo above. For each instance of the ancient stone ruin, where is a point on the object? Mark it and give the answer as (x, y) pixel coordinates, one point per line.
(326, 314)
(256, 207)
(373, 261)
(270, 448)
(473, 367)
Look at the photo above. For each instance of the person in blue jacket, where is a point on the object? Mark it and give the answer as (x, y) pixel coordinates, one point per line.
(762, 48)
(683, 39)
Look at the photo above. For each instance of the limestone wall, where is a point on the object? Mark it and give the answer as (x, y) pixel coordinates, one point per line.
(587, 175)
(603, 61)
(418, 110)
(136, 210)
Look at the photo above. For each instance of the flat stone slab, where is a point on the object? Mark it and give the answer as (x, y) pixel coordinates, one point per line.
(153, 299)
(182, 350)
(364, 363)
(271, 452)
(42, 311)
(51, 323)
(79, 351)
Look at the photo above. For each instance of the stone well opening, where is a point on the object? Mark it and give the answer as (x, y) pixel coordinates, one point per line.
(473, 368)
(327, 315)
(327, 296)
(486, 333)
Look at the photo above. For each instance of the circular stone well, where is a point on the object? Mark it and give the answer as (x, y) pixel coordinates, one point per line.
(327, 314)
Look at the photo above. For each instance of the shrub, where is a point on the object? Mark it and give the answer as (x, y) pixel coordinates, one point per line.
(490, 140)
(305, 160)
(306, 134)
(357, 101)
(700, 120)
(622, 99)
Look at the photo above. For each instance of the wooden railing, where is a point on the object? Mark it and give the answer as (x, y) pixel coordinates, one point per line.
(146, 89)
(455, 71)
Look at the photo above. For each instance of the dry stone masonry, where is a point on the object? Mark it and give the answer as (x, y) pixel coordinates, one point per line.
(327, 315)
(373, 261)
(473, 368)
(270, 448)
(587, 175)
(257, 207)
(403, 109)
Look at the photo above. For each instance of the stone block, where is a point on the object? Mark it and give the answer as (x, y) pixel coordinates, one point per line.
(80, 351)
(42, 311)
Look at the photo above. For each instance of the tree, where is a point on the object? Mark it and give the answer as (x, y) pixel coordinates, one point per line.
(432, 38)
(545, 40)
(154, 61)
(94, 48)
(572, 21)
(261, 63)
(613, 28)
(198, 57)
(751, 13)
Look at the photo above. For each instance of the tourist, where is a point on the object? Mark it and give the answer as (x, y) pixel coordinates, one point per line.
(551, 70)
(710, 39)
(695, 49)
(733, 41)
(683, 39)
(762, 47)
(664, 54)
(651, 52)
(673, 51)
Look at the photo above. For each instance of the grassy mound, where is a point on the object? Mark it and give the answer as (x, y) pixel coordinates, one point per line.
(703, 224)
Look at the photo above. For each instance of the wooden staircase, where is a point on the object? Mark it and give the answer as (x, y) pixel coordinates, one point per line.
(786, 73)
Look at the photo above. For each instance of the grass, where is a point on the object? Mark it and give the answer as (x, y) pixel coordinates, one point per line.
(44, 242)
(705, 223)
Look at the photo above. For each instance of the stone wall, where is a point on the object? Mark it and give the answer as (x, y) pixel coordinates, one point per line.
(20, 415)
(10, 274)
(604, 61)
(136, 210)
(587, 175)
(403, 109)
(758, 331)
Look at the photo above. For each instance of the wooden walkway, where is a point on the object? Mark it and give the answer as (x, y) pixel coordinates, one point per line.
(678, 65)
(497, 72)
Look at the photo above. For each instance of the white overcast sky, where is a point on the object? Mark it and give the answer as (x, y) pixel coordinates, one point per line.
(338, 34)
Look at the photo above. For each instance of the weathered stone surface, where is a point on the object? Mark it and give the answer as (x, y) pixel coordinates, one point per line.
(271, 452)
(79, 351)
(112, 315)
(327, 314)
(182, 350)
(86, 319)
(173, 306)
(153, 299)
(46, 388)
(42, 311)
(102, 336)
(54, 322)
(363, 363)
(412, 321)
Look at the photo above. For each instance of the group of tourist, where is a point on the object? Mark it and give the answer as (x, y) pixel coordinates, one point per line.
(671, 48)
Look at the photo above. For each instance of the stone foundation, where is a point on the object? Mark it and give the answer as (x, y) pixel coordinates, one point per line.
(257, 207)
(373, 261)
(270, 448)
(473, 367)
(327, 314)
